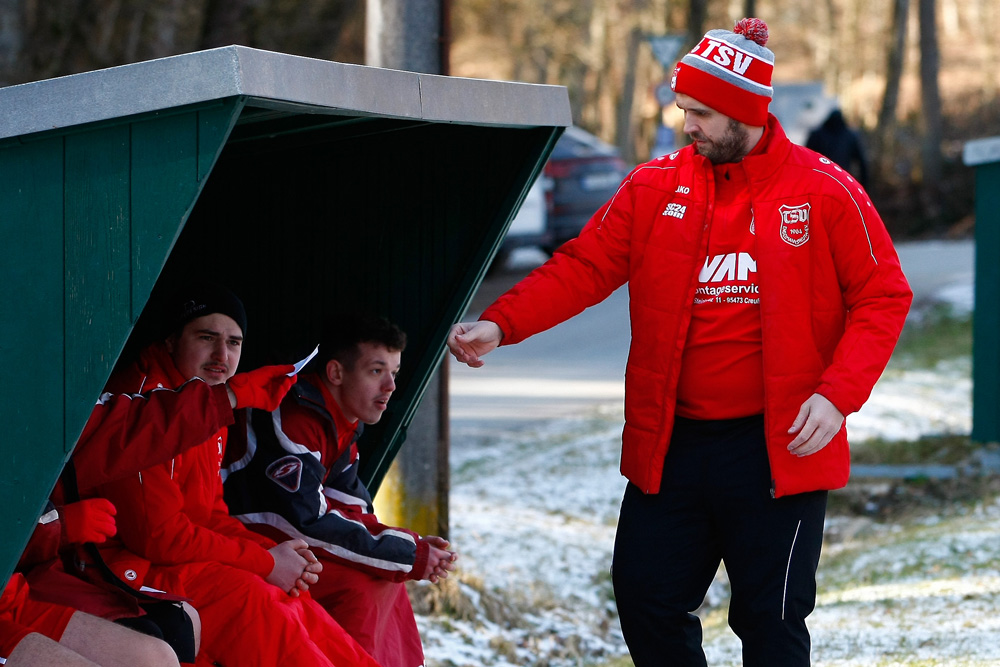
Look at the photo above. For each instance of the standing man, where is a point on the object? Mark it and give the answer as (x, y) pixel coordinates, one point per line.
(766, 299)
(299, 479)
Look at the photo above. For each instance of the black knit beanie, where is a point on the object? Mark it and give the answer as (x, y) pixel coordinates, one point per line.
(198, 299)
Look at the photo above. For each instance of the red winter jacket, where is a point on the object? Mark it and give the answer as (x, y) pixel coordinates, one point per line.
(832, 296)
(173, 513)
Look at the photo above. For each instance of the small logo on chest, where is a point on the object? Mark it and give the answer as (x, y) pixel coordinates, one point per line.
(286, 472)
(675, 210)
(794, 224)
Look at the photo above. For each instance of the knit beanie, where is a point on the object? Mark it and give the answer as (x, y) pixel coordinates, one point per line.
(730, 72)
(202, 298)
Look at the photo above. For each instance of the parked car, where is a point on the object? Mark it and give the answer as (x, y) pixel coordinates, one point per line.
(581, 174)
(530, 226)
(585, 173)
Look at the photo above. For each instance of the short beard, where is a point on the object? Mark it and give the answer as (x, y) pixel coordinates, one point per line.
(730, 147)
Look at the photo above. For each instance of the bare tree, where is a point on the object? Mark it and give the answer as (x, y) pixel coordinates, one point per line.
(930, 97)
(885, 131)
(624, 126)
(50, 38)
(697, 15)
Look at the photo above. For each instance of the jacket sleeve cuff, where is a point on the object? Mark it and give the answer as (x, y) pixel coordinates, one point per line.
(420, 561)
(839, 401)
(260, 562)
(493, 314)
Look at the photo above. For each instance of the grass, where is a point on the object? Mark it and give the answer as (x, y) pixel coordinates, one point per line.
(943, 449)
(936, 335)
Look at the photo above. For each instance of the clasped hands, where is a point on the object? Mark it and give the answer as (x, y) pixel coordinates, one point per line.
(295, 567)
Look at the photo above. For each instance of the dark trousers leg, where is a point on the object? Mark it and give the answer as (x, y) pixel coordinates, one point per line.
(664, 561)
(667, 552)
(715, 505)
(771, 555)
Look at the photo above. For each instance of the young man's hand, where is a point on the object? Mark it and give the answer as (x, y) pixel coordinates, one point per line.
(468, 341)
(310, 575)
(290, 566)
(440, 561)
(262, 388)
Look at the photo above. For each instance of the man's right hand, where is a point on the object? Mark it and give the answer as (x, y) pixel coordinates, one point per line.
(468, 341)
(289, 566)
(262, 388)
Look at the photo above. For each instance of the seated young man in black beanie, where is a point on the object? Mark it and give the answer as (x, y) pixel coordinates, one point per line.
(174, 530)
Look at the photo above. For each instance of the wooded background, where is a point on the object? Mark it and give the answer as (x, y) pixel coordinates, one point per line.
(918, 77)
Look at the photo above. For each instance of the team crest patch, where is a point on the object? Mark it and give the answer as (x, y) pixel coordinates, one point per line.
(795, 224)
(286, 472)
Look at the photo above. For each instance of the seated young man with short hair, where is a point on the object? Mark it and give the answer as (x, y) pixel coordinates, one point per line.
(300, 480)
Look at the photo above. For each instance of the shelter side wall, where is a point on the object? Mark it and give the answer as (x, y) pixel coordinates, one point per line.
(87, 219)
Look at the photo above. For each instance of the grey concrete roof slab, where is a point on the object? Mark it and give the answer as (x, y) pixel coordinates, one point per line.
(307, 84)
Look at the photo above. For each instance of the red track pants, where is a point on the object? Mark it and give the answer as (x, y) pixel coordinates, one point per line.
(247, 621)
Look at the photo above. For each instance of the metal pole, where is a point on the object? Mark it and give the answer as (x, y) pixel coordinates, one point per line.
(414, 35)
(986, 317)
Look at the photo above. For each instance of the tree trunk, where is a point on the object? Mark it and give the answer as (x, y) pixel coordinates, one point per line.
(930, 98)
(885, 132)
(404, 34)
(697, 15)
(624, 125)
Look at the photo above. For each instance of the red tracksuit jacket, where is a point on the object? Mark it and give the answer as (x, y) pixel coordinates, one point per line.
(173, 513)
(832, 296)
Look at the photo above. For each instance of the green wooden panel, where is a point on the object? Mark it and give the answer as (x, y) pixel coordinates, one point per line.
(172, 156)
(32, 365)
(986, 325)
(215, 124)
(98, 253)
(87, 220)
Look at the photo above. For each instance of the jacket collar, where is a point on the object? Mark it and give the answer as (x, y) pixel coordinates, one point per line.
(764, 163)
(155, 368)
(310, 392)
(769, 154)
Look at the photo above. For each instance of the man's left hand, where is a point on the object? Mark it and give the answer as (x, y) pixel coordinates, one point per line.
(440, 561)
(816, 424)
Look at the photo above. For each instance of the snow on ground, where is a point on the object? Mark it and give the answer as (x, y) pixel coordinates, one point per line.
(533, 515)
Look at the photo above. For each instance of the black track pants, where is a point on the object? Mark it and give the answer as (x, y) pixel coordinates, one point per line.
(715, 505)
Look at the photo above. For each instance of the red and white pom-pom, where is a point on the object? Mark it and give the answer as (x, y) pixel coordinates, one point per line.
(753, 29)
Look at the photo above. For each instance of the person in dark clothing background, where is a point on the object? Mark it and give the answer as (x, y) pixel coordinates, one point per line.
(840, 143)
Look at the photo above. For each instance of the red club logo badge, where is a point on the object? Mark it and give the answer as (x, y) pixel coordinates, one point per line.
(795, 224)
